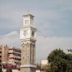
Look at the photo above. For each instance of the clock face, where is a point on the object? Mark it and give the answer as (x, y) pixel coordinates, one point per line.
(25, 32)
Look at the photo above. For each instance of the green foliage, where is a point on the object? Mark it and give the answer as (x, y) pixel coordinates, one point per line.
(0, 67)
(59, 61)
(1, 70)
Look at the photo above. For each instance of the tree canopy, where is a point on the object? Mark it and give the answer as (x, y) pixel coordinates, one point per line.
(59, 61)
(0, 67)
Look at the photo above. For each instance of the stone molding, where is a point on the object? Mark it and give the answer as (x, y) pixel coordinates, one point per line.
(28, 66)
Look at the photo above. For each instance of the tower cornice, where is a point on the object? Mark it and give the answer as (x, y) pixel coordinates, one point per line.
(28, 15)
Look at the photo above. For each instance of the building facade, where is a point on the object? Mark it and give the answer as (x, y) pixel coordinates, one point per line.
(10, 56)
(14, 56)
(28, 39)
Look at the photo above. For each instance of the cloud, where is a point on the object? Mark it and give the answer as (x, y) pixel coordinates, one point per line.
(52, 16)
(11, 34)
(44, 45)
(11, 39)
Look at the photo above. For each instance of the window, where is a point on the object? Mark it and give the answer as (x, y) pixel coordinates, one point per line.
(26, 21)
(32, 33)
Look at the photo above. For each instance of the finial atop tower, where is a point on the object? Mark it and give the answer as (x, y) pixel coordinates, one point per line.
(28, 14)
(28, 11)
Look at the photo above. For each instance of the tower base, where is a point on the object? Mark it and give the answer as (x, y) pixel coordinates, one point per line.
(27, 70)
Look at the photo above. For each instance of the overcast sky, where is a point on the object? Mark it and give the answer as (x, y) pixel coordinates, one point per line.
(53, 19)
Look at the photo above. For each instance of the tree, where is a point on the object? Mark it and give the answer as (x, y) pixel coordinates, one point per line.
(0, 67)
(59, 61)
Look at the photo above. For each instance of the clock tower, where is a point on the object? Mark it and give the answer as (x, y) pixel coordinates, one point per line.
(28, 39)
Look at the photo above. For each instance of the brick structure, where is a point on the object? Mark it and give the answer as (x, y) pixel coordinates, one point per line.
(10, 56)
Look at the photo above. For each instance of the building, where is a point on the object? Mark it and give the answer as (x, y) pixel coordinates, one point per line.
(14, 56)
(44, 63)
(43, 66)
(10, 56)
(28, 39)
(4, 53)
